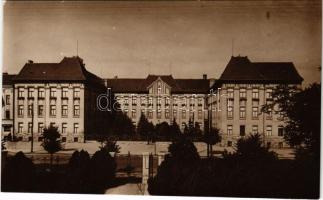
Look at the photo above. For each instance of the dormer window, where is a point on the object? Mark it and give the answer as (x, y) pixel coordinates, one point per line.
(158, 87)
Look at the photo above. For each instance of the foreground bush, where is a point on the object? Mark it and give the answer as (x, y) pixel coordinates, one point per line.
(18, 174)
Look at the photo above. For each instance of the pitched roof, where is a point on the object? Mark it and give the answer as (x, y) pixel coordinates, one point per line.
(7, 78)
(69, 69)
(241, 69)
(126, 85)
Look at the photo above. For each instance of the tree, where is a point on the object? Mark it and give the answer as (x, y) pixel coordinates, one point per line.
(302, 115)
(211, 137)
(78, 172)
(163, 129)
(145, 128)
(174, 129)
(122, 125)
(252, 149)
(18, 174)
(51, 141)
(102, 171)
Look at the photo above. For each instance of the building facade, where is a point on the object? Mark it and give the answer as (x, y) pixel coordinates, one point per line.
(162, 98)
(239, 94)
(7, 104)
(58, 94)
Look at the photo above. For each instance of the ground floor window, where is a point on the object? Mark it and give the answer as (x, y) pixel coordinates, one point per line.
(76, 139)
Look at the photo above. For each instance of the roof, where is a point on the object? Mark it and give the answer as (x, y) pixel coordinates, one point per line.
(7, 79)
(129, 85)
(241, 69)
(69, 69)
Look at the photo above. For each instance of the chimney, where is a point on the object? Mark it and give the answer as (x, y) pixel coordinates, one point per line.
(30, 61)
(204, 76)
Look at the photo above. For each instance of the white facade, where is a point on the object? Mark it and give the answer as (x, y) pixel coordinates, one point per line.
(40, 105)
(7, 110)
(160, 104)
(237, 113)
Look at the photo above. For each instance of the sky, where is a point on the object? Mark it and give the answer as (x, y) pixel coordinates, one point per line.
(185, 38)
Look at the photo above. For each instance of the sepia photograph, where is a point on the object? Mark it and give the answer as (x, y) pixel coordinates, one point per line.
(162, 98)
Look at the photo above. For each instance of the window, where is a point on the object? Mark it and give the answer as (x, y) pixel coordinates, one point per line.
(142, 101)
(183, 101)
(255, 94)
(52, 124)
(167, 114)
(184, 114)
(150, 101)
(76, 110)
(230, 93)
(52, 93)
(229, 143)
(269, 93)
(126, 101)
(75, 128)
(52, 110)
(280, 131)
(40, 110)
(63, 139)
(175, 114)
(40, 127)
(254, 129)
(20, 92)
(230, 108)
(30, 110)
(268, 144)
(175, 101)
(133, 114)
(159, 101)
(20, 110)
(183, 125)
(7, 128)
(64, 110)
(200, 101)
(199, 114)
(134, 100)
(64, 128)
(158, 114)
(242, 112)
(150, 114)
(76, 93)
(20, 127)
(41, 93)
(7, 99)
(40, 139)
(254, 112)
(166, 101)
(269, 130)
(30, 93)
(242, 130)
(229, 129)
(76, 139)
(242, 93)
(7, 114)
(158, 87)
(64, 92)
(269, 114)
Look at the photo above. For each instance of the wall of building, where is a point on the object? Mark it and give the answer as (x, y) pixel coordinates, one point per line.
(261, 124)
(72, 98)
(7, 110)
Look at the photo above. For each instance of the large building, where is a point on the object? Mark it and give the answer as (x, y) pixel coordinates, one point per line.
(162, 98)
(65, 95)
(243, 88)
(60, 94)
(7, 104)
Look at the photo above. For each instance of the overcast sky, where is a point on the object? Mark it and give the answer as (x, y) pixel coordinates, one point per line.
(186, 39)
